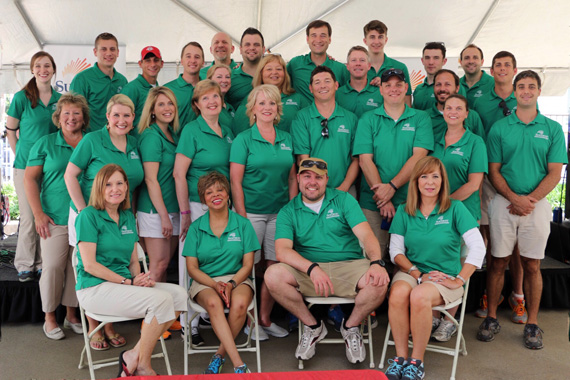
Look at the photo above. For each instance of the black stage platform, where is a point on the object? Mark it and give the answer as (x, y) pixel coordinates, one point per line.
(21, 302)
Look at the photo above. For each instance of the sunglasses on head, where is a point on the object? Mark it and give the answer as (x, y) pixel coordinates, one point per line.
(310, 163)
(325, 126)
(503, 106)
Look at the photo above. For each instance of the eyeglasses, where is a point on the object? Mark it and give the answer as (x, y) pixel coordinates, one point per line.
(310, 163)
(391, 72)
(325, 130)
(503, 106)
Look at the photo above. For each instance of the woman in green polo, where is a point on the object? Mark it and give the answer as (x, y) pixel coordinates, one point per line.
(49, 200)
(272, 69)
(425, 244)
(222, 75)
(29, 119)
(219, 258)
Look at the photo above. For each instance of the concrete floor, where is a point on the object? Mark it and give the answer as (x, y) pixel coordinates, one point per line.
(25, 353)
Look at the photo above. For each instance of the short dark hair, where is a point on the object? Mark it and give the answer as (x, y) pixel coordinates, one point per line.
(527, 74)
(468, 47)
(442, 71)
(376, 25)
(460, 97)
(322, 69)
(106, 36)
(319, 24)
(210, 179)
(252, 31)
(435, 46)
(192, 43)
(504, 54)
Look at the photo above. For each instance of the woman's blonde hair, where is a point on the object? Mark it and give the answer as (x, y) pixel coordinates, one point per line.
(121, 99)
(148, 117)
(97, 198)
(286, 87)
(216, 66)
(201, 88)
(208, 180)
(271, 92)
(424, 166)
(72, 99)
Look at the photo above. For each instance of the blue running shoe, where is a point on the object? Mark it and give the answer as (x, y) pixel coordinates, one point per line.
(335, 317)
(395, 369)
(216, 364)
(414, 370)
(26, 276)
(242, 369)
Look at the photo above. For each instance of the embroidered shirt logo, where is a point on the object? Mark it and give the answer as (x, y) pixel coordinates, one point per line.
(457, 151)
(285, 147)
(126, 231)
(229, 139)
(540, 135)
(408, 127)
(134, 155)
(440, 220)
(291, 102)
(371, 103)
(233, 237)
(331, 214)
(342, 129)
(119, 89)
(478, 94)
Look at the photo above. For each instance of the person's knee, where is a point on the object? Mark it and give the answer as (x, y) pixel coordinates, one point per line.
(275, 277)
(213, 303)
(239, 305)
(419, 298)
(530, 266)
(500, 264)
(399, 296)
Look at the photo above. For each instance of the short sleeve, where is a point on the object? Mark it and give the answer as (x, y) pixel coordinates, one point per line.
(462, 218)
(398, 225)
(363, 139)
(478, 162)
(18, 105)
(494, 151)
(250, 242)
(352, 211)
(284, 224)
(82, 153)
(191, 249)
(424, 131)
(187, 143)
(86, 226)
(557, 152)
(38, 153)
(79, 85)
(131, 92)
(150, 147)
(239, 150)
(301, 139)
(476, 125)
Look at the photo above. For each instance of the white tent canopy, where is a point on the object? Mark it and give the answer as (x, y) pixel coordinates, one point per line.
(537, 33)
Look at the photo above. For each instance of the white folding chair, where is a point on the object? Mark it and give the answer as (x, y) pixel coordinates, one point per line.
(367, 338)
(459, 342)
(104, 320)
(195, 309)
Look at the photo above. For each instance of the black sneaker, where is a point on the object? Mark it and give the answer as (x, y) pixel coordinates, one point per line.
(204, 323)
(488, 329)
(26, 276)
(532, 336)
(395, 368)
(38, 274)
(197, 339)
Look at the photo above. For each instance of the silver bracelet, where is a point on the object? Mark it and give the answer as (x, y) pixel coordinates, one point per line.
(412, 268)
(461, 278)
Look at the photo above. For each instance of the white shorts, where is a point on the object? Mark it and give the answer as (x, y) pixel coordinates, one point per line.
(151, 227)
(71, 227)
(531, 231)
(264, 226)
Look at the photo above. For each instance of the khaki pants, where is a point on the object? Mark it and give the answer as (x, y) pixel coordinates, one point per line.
(28, 257)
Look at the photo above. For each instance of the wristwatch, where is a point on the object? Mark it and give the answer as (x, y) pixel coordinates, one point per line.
(379, 262)
(420, 278)
(233, 283)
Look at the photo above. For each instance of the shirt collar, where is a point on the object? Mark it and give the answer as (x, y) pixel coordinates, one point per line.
(462, 141)
(101, 74)
(205, 223)
(514, 119)
(60, 140)
(330, 194)
(106, 141)
(161, 134)
(144, 82)
(182, 83)
(314, 112)
(435, 211)
(204, 127)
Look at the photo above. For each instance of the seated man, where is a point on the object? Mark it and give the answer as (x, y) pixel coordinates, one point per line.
(317, 244)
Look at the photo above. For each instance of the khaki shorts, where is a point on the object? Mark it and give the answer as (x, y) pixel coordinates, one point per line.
(448, 295)
(383, 236)
(344, 276)
(487, 194)
(197, 287)
(530, 231)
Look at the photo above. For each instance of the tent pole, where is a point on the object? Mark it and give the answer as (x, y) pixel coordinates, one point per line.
(483, 21)
(29, 24)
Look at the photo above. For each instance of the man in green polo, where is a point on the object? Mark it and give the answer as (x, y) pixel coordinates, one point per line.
(326, 130)
(317, 243)
(221, 48)
(251, 48)
(137, 90)
(300, 68)
(526, 154)
(99, 83)
(476, 82)
(376, 38)
(358, 96)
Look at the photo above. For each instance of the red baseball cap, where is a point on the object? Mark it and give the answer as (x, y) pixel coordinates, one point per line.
(150, 49)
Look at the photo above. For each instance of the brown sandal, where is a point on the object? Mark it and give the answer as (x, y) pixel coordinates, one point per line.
(99, 343)
(116, 340)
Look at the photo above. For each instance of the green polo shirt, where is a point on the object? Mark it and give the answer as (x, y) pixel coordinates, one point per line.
(324, 237)
(301, 67)
(291, 105)
(204, 70)
(473, 122)
(183, 92)
(525, 150)
(154, 146)
(434, 243)
(115, 243)
(487, 106)
(468, 155)
(96, 150)
(137, 90)
(390, 63)
(267, 166)
(227, 116)
(52, 153)
(359, 102)
(391, 143)
(241, 87)
(336, 150)
(97, 88)
(424, 97)
(207, 150)
(220, 256)
(483, 86)
(34, 123)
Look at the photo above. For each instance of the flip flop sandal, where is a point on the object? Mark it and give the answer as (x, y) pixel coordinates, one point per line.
(99, 344)
(115, 340)
(123, 366)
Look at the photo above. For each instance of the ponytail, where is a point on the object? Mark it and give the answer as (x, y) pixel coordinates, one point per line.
(31, 88)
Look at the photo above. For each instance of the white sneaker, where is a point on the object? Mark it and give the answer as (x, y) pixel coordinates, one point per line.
(262, 334)
(444, 331)
(76, 327)
(355, 352)
(275, 330)
(306, 348)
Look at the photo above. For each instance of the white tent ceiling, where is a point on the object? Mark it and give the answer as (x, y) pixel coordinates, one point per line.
(538, 33)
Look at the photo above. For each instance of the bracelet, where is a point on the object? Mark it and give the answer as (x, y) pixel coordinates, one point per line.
(461, 278)
(185, 212)
(379, 262)
(313, 265)
(412, 268)
(420, 278)
(123, 282)
(393, 186)
(12, 129)
(233, 283)
(132, 281)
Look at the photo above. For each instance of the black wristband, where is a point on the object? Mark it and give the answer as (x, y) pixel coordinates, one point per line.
(313, 265)
(233, 283)
(12, 129)
(379, 262)
(393, 186)
(132, 281)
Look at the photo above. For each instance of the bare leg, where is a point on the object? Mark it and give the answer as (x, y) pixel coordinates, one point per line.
(399, 315)
(532, 287)
(71, 314)
(516, 269)
(159, 254)
(267, 302)
(368, 298)
(495, 283)
(51, 323)
(422, 299)
(241, 298)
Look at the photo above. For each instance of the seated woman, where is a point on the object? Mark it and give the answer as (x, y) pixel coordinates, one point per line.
(425, 244)
(109, 280)
(220, 260)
